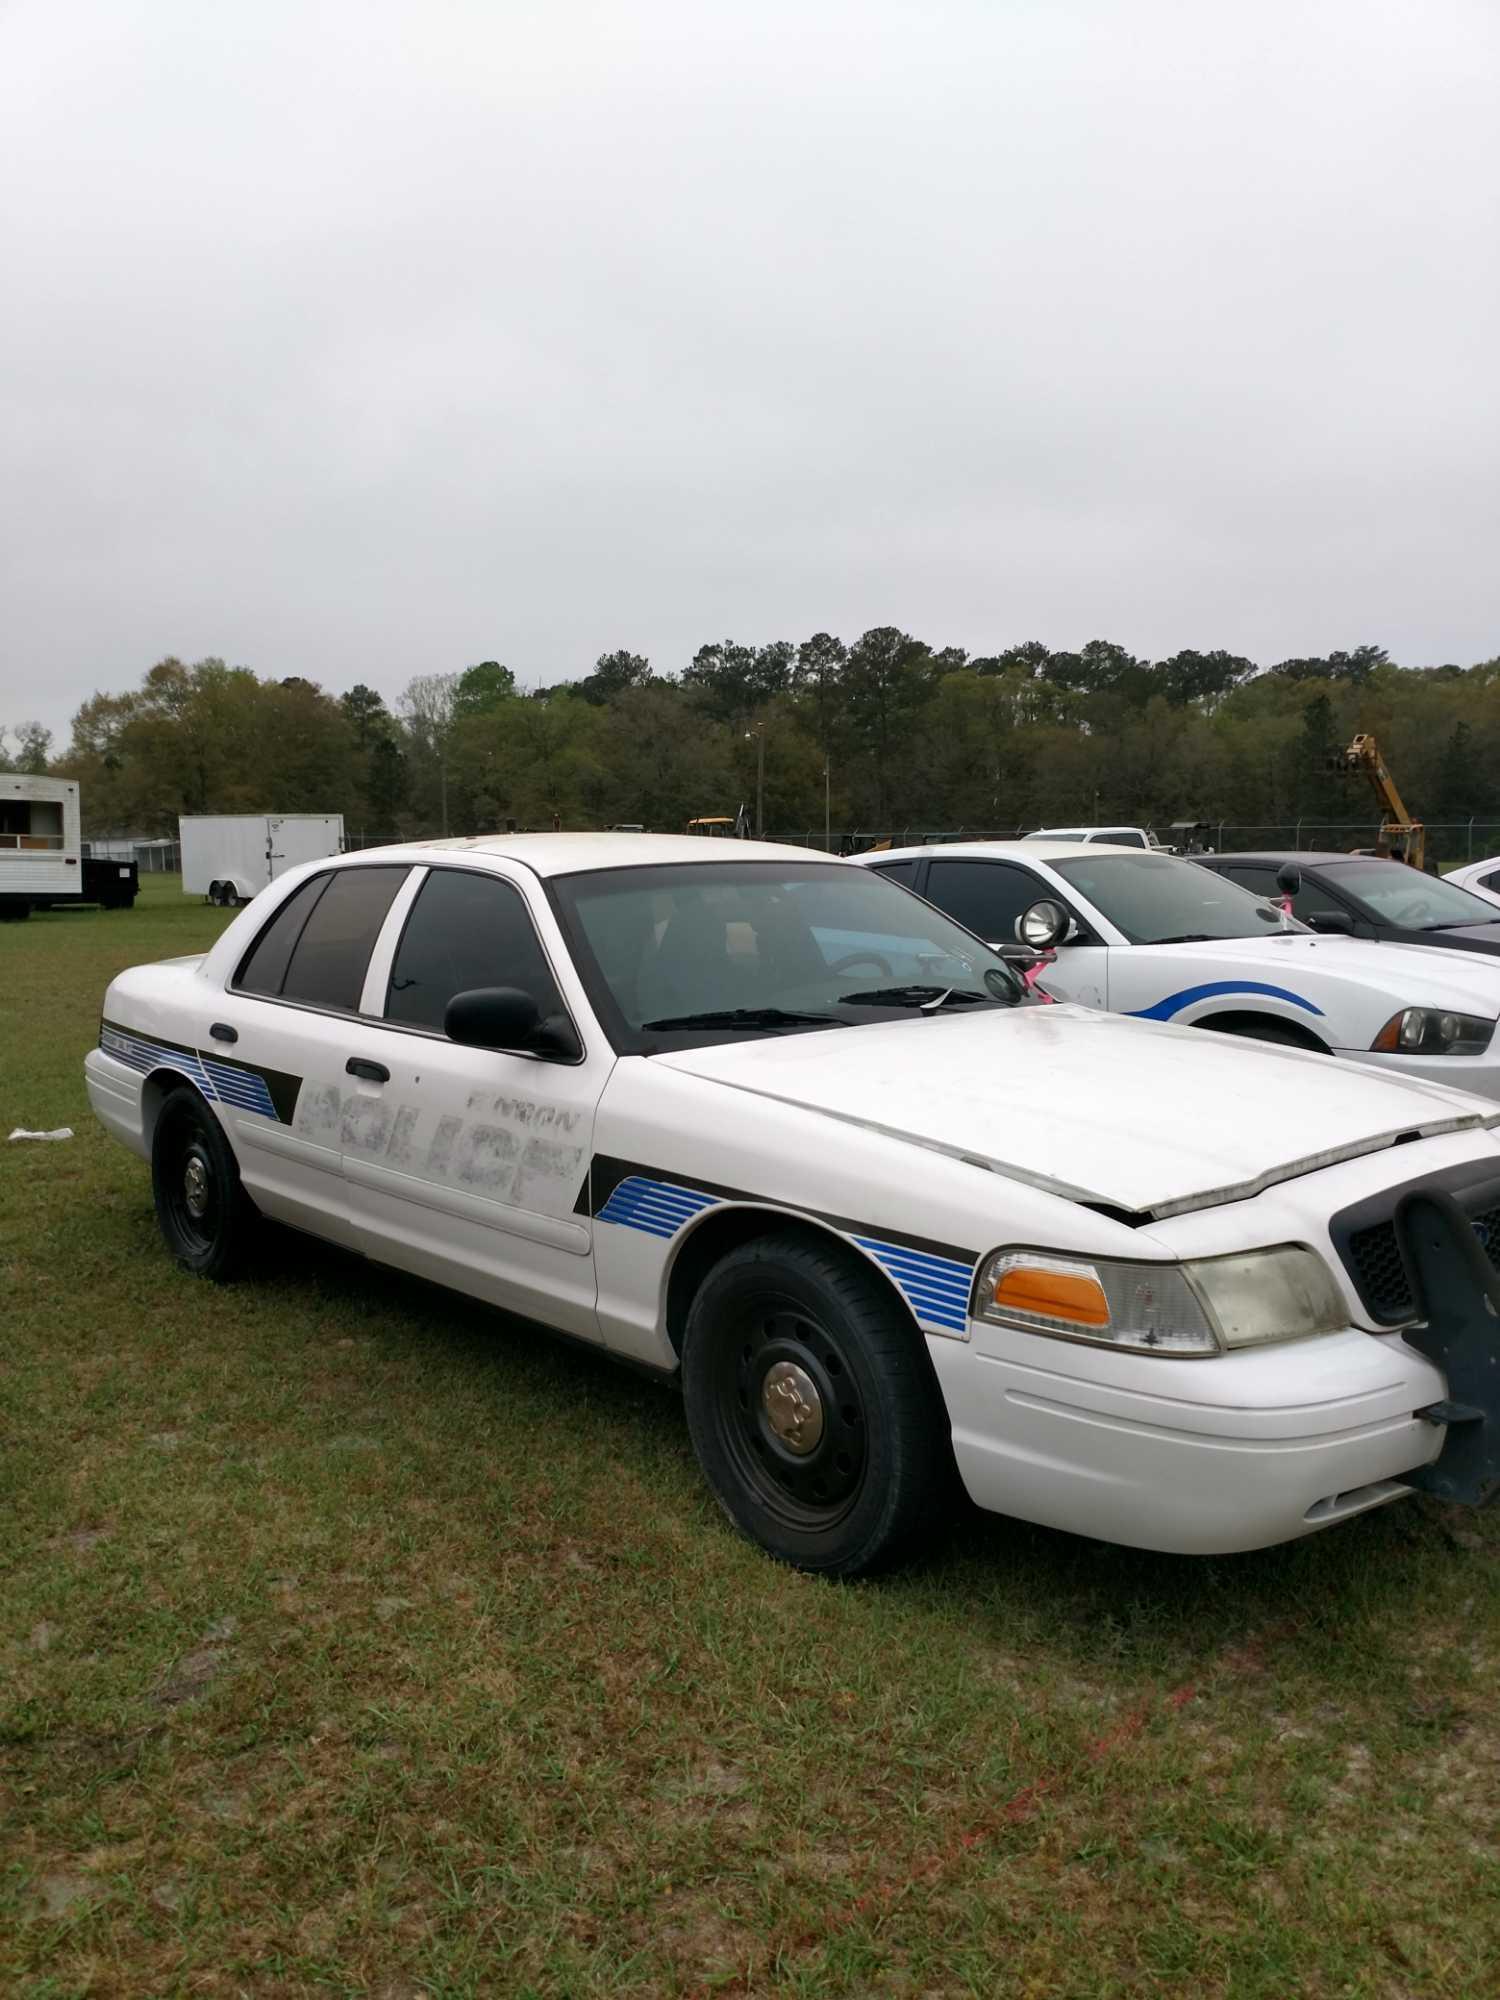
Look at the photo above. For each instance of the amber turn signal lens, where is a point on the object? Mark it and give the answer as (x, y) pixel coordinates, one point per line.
(1059, 1295)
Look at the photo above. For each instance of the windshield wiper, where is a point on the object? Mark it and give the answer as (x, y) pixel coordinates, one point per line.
(1190, 937)
(913, 996)
(748, 1017)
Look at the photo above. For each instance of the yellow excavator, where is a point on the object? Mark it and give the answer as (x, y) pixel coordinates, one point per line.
(1402, 838)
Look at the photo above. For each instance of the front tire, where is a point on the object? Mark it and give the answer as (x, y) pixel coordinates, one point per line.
(813, 1408)
(1276, 1032)
(206, 1219)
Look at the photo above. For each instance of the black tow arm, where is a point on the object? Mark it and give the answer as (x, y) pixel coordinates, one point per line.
(1457, 1290)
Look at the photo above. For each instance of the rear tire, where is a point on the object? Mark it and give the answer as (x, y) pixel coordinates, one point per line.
(206, 1219)
(813, 1408)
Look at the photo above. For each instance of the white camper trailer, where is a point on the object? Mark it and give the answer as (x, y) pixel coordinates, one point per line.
(228, 857)
(39, 857)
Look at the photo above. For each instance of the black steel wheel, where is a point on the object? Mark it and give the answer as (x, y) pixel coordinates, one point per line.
(205, 1216)
(813, 1408)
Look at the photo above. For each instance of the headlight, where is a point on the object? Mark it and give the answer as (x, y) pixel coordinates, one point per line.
(1431, 1031)
(1202, 1307)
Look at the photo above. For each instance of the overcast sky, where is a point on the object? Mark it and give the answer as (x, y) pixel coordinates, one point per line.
(359, 340)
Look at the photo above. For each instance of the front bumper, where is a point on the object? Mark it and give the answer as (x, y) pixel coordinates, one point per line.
(1207, 1457)
(1479, 1074)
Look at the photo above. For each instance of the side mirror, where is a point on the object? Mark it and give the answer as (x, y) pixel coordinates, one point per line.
(503, 1017)
(1333, 923)
(1044, 925)
(1289, 878)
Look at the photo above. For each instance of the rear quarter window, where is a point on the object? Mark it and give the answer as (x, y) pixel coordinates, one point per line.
(318, 955)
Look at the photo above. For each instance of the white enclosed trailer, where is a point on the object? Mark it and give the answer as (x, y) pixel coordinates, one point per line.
(228, 857)
(39, 854)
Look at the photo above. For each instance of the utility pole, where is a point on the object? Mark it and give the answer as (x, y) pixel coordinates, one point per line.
(827, 826)
(759, 733)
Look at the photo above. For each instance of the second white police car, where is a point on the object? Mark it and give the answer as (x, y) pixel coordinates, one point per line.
(769, 1122)
(1165, 940)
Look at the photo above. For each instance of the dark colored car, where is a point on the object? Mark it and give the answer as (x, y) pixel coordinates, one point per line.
(1365, 897)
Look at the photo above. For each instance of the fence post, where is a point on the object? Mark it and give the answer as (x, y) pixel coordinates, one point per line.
(1471, 836)
(1297, 837)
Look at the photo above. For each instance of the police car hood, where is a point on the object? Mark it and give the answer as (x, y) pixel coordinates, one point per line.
(1414, 975)
(1147, 1119)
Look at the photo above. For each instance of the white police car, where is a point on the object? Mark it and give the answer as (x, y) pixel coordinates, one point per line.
(1165, 940)
(766, 1121)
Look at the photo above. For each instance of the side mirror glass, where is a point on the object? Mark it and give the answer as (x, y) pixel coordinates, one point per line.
(1289, 878)
(1044, 925)
(1333, 923)
(492, 1017)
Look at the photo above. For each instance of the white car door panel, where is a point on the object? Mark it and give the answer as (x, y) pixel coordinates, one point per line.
(274, 1037)
(470, 1165)
(989, 897)
(1081, 972)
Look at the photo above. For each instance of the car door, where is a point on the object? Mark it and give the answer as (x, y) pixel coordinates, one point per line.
(268, 1047)
(987, 897)
(468, 1165)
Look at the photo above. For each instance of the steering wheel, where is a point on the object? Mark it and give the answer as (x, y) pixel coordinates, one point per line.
(862, 958)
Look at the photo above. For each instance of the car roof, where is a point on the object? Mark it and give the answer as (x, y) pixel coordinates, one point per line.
(1274, 856)
(1030, 849)
(568, 853)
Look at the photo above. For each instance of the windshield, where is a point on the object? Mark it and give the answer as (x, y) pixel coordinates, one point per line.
(1406, 897)
(676, 956)
(1155, 899)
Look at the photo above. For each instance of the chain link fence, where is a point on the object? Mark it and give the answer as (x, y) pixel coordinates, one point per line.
(1449, 842)
(152, 857)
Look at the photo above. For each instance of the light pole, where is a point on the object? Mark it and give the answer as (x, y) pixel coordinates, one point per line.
(827, 825)
(759, 733)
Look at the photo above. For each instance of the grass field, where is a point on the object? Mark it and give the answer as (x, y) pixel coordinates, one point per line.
(359, 1641)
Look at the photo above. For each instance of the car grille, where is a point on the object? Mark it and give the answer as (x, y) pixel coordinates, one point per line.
(1374, 1259)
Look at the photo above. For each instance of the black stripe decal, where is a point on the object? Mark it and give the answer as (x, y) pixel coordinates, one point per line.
(281, 1087)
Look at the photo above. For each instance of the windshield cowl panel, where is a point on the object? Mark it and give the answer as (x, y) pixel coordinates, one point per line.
(686, 954)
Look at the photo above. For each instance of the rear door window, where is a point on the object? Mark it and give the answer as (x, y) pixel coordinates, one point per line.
(264, 967)
(466, 930)
(316, 951)
(904, 872)
(986, 897)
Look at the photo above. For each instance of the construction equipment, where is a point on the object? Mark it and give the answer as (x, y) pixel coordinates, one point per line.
(1402, 838)
(722, 826)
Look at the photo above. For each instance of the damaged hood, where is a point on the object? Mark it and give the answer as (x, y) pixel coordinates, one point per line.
(1149, 1119)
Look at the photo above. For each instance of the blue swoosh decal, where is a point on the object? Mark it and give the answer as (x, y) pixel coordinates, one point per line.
(1175, 1002)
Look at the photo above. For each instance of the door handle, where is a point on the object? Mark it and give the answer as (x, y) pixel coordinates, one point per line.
(222, 1032)
(374, 1072)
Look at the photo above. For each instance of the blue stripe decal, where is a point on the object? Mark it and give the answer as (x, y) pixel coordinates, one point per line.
(936, 1288)
(241, 1089)
(659, 1208)
(1175, 1002)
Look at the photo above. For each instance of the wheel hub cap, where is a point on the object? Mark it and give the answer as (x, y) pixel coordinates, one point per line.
(195, 1188)
(793, 1407)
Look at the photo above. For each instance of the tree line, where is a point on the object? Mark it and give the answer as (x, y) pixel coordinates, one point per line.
(902, 734)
